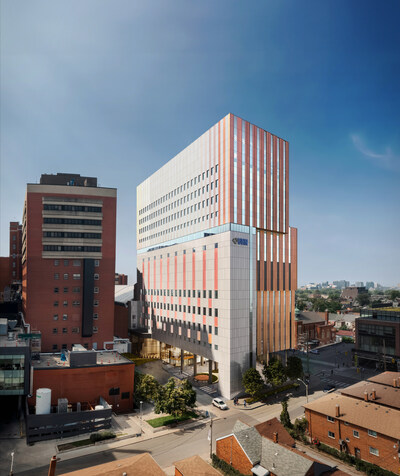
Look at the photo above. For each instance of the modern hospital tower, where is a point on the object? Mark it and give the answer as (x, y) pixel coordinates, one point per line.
(217, 259)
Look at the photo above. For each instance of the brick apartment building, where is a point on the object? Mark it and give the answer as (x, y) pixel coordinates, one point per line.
(15, 252)
(364, 421)
(68, 261)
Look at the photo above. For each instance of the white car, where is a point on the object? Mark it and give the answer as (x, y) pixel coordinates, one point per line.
(217, 402)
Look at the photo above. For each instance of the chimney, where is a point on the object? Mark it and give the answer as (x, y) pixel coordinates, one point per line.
(395, 382)
(275, 435)
(326, 317)
(52, 467)
(373, 394)
(337, 411)
(366, 396)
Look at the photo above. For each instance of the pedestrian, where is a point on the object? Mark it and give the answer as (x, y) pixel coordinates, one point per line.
(245, 403)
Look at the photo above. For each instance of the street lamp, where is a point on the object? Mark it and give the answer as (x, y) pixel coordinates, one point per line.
(12, 463)
(141, 403)
(306, 385)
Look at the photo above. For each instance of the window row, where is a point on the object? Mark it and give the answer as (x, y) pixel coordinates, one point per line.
(65, 303)
(179, 227)
(81, 249)
(181, 201)
(75, 262)
(180, 293)
(190, 183)
(72, 208)
(74, 330)
(74, 290)
(71, 221)
(70, 234)
(75, 276)
(182, 308)
(181, 213)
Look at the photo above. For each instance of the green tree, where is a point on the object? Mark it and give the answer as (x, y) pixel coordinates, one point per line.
(285, 417)
(147, 388)
(393, 294)
(274, 372)
(294, 368)
(252, 382)
(175, 399)
(318, 304)
(363, 299)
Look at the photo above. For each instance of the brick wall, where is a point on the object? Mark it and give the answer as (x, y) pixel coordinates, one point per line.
(121, 320)
(87, 384)
(388, 448)
(231, 452)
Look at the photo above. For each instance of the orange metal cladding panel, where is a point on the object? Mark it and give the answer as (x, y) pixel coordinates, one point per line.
(261, 201)
(294, 323)
(294, 257)
(287, 187)
(280, 198)
(275, 181)
(176, 273)
(215, 269)
(209, 338)
(281, 244)
(277, 322)
(269, 225)
(274, 260)
(288, 312)
(270, 321)
(254, 129)
(269, 258)
(148, 274)
(239, 170)
(258, 335)
(262, 251)
(286, 264)
(283, 321)
(154, 274)
(247, 177)
(266, 329)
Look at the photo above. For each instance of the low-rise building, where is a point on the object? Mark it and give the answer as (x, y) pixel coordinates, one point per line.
(363, 427)
(352, 292)
(84, 376)
(251, 450)
(313, 328)
(378, 338)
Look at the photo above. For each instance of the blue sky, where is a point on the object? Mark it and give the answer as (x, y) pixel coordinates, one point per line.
(114, 89)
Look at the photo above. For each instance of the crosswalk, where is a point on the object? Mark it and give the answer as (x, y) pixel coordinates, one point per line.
(334, 382)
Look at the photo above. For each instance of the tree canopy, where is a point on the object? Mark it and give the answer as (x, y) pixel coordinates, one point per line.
(252, 382)
(175, 399)
(294, 367)
(274, 372)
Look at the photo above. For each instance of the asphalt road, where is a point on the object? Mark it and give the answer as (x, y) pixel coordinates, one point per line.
(177, 445)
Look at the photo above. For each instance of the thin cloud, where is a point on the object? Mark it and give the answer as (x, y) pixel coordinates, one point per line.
(388, 160)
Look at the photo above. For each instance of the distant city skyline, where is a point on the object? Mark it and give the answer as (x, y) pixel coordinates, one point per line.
(117, 92)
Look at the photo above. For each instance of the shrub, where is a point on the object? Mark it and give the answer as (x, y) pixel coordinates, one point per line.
(103, 435)
(223, 466)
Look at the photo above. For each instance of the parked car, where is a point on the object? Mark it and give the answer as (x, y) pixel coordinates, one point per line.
(217, 402)
(314, 351)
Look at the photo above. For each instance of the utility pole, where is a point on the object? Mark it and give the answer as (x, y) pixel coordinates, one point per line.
(211, 424)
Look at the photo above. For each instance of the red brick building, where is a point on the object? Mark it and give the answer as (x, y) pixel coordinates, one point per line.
(314, 326)
(364, 428)
(68, 260)
(15, 252)
(267, 448)
(102, 374)
(121, 279)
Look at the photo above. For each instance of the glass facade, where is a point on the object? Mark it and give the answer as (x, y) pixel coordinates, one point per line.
(12, 370)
